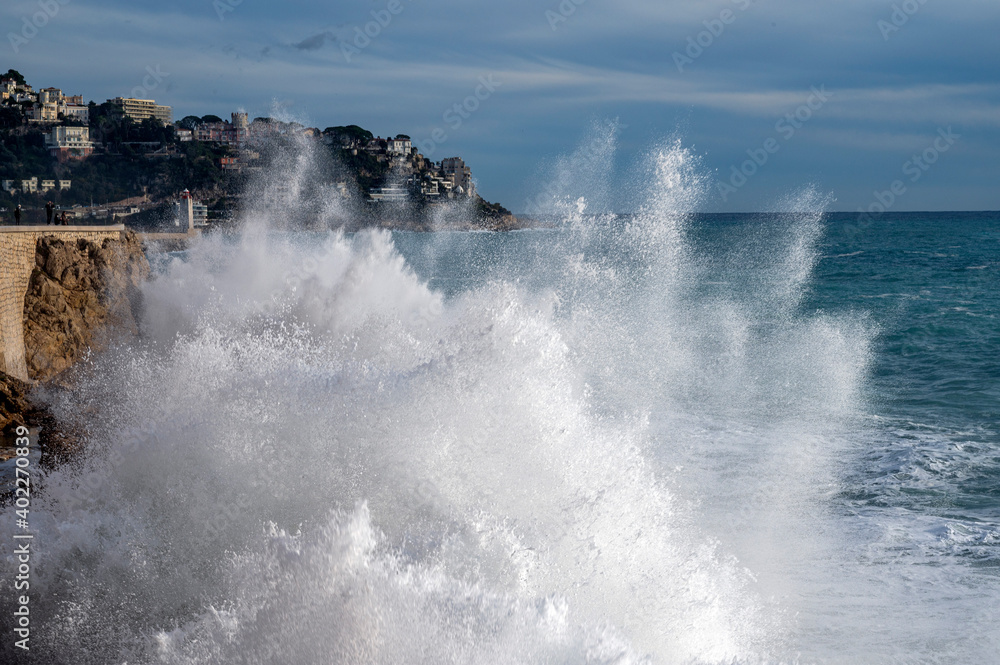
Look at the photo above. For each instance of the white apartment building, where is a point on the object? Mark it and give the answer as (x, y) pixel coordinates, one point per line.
(69, 142)
(454, 169)
(32, 186)
(140, 109)
(76, 112)
(199, 212)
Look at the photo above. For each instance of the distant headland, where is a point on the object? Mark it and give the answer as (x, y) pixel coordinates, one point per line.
(127, 161)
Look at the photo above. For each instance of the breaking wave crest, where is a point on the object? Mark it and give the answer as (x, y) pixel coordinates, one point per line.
(312, 456)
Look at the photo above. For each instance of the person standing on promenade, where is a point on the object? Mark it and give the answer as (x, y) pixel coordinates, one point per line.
(63, 220)
(50, 209)
(17, 215)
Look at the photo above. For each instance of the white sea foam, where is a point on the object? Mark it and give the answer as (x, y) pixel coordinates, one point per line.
(313, 457)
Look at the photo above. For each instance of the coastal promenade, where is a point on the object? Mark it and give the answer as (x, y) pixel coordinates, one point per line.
(17, 261)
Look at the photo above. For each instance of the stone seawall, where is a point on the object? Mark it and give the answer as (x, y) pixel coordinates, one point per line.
(17, 263)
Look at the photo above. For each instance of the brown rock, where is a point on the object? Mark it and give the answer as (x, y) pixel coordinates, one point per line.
(17, 407)
(13, 404)
(80, 296)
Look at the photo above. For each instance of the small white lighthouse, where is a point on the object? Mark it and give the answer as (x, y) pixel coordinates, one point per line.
(187, 210)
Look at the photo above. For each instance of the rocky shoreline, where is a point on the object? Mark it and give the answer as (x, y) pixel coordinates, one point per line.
(81, 296)
(19, 408)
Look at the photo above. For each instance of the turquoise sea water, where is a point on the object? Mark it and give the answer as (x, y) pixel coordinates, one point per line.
(932, 283)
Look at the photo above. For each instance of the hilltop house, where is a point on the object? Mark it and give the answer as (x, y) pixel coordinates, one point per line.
(400, 145)
(53, 106)
(460, 175)
(232, 133)
(17, 92)
(65, 143)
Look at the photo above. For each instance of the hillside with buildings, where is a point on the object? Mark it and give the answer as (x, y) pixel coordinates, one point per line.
(127, 156)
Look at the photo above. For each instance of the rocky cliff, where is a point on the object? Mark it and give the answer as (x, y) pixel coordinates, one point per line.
(80, 295)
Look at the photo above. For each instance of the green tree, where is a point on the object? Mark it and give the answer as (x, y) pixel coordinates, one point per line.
(350, 133)
(152, 130)
(108, 124)
(16, 75)
(10, 117)
(189, 122)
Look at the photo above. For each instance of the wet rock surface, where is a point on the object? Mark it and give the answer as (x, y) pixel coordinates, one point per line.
(80, 296)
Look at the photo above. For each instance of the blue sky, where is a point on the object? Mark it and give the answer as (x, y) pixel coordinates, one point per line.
(869, 96)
